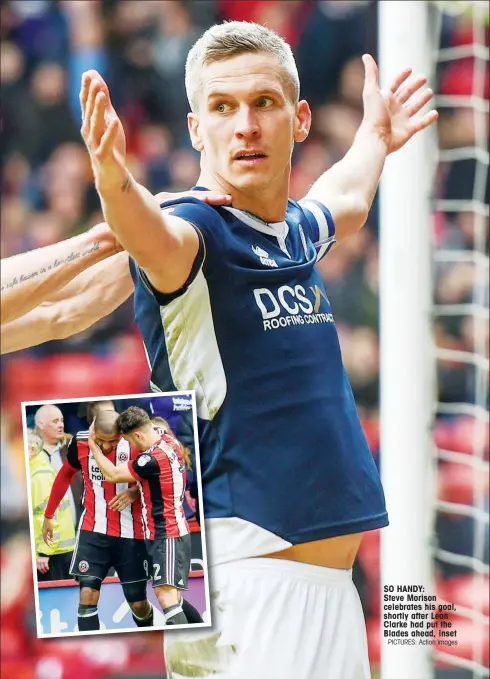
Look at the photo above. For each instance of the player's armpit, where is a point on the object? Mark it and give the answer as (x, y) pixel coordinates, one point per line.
(170, 273)
(349, 212)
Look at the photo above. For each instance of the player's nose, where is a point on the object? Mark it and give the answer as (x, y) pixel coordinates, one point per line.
(247, 123)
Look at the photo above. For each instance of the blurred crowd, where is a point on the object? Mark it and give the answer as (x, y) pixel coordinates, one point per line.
(140, 47)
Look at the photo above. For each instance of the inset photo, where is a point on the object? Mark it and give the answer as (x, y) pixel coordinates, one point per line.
(115, 508)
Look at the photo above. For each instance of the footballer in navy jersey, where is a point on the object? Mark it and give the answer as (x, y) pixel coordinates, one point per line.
(261, 348)
(159, 472)
(231, 305)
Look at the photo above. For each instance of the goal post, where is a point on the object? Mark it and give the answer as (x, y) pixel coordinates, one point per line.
(407, 365)
(434, 335)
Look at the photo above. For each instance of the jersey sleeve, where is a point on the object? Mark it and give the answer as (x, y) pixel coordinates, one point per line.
(320, 225)
(144, 467)
(72, 454)
(59, 488)
(207, 222)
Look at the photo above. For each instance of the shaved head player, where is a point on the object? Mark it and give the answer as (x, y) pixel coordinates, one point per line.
(106, 538)
(230, 303)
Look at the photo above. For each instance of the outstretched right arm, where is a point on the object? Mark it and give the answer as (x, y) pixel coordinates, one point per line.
(165, 246)
(90, 296)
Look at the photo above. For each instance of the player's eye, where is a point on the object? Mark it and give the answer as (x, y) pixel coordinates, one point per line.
(223, 108)
(264, 102)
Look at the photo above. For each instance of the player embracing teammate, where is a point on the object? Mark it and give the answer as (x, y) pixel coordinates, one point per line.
(133, 517)
(159, 471)
(106, 538)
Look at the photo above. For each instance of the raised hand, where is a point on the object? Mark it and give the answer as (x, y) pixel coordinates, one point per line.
(103, 133)
(393, 112)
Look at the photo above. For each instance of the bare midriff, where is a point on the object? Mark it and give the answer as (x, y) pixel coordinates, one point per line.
(338, 552)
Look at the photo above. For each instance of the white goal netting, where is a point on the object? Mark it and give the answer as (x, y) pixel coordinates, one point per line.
(461, 317)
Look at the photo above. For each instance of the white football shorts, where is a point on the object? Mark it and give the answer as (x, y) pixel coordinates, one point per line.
(275, 619)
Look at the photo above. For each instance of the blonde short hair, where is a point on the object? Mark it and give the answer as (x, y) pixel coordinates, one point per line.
(34, 441)
(231, 38)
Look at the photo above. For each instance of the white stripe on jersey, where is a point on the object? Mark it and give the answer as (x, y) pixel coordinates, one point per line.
(100, 504)
(321, 220)
(123, 452)
(193, 354)
(74, 556)
(323, 249)
(144, 512)
(179, 489)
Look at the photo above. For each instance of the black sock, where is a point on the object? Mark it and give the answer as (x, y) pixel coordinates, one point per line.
(147, 621)
(191, 613)
(174, 615)
(88, 618)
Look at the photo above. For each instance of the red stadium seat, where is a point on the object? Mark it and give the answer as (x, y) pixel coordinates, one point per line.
(472, 642)
(461, 434)
(470, 591)
(458, 483)
(76, 376)
(371, 432)
(373, 629)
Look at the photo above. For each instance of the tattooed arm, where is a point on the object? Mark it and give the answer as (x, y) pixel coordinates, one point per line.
(93, 294)
(32, 277)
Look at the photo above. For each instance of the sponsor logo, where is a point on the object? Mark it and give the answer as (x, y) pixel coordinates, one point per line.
(292, 306)
(83, 566)
(94, 472)
(181, 403)
(143, 459)
(264, 256)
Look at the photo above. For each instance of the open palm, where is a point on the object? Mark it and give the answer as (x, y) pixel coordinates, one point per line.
(102, 131)
(393, 112)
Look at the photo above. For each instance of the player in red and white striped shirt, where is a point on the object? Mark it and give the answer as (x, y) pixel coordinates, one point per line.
(106, 538)
(160, 473)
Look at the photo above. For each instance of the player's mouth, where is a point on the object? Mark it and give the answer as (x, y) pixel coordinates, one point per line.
(249, 158)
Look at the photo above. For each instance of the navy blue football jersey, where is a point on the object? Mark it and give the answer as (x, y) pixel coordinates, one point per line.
(253, 333)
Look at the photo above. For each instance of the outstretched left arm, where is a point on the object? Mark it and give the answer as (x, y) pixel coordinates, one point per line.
(113, 474)
(348, 188)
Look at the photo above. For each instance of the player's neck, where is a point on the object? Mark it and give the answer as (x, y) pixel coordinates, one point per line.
(150, 439)
(268, 205)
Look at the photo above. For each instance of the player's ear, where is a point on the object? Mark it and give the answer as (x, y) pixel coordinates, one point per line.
(302, 121)
(193, 124)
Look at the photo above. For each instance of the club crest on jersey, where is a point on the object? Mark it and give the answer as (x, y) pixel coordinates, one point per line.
(264, 256)
(123, 457)
(143, 459)
(83, 566)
